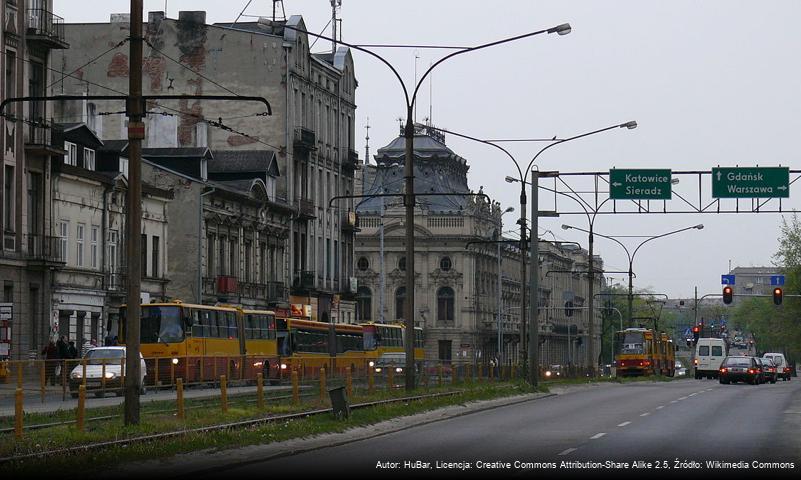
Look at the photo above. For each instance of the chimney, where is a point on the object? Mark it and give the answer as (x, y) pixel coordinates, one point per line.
(196, 17)
(155, 17)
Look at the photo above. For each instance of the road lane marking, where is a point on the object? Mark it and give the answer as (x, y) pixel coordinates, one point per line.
(645, 414)
(693, 394)
(624, 424)
(682, 398)
(660, 407)
(569, 450)
(673, 401)
(597, 436)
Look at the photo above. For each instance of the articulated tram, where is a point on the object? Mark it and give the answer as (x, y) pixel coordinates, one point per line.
(642, 351)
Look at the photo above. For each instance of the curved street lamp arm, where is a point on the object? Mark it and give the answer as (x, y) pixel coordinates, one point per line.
(468, 137)
(631, 256)
(479, 47)
(660, 236)
(361, 49)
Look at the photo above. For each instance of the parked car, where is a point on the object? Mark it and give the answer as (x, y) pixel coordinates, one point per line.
(108, 360)
(553, 371)
(739, 369)
(783, 370)
(771, 375)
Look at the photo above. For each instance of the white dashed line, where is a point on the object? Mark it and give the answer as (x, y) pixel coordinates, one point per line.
(693, 394)
(597, 436)
(660, 407)
(673, 401)
(624, 424)
(568, 451)
(682, 398)
(645, 414)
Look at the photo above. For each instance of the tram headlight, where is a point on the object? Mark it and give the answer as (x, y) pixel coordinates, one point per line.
(175, 361)
(372, 364)
(283, 366)
(547, 373)
(110, 375)
(398, 370)
(378, 370)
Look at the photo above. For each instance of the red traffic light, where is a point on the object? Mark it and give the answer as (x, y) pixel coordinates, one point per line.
(777, 296)
(696, 329)
(728, 293)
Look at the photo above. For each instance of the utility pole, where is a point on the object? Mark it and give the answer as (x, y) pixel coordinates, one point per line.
(136, 132)
(534, 303)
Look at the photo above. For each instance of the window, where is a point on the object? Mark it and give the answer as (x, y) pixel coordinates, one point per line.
(8, 199)
(72, 154)
(210, 256)
(248, 259)
(143, 255)
(363, 264)
(400, 303)
(445, 351)
(113, 240)
(717, 351)
(364, 300)
(221, 269)
(124, 166)
(88, 159)
(445, 301)
(402, 264)
(79, 245)
(36, 89)
(445, 264)
(234, 257)
(11, 81)
(93, 246)
(263, 275)
(155, 270)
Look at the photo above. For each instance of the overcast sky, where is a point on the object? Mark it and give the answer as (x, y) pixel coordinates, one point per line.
(709, 83)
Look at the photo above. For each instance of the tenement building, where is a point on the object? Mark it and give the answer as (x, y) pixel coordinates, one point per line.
(308, 133)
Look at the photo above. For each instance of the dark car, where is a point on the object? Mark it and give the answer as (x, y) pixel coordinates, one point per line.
(763, 369)
(740, 369)
(769, 369)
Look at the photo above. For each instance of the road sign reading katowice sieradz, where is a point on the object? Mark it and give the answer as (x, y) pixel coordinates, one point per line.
(639, 184)
(750, 182)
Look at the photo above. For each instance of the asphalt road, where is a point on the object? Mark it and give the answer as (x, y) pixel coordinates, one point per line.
(689, 421)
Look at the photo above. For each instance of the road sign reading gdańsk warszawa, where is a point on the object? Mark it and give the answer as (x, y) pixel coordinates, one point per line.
(750, 182)
(639, 184)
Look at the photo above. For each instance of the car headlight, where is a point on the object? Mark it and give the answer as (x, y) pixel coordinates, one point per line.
(372, 364)
(110, 375)
(76, 374)
(378, 370)
(175, 361)
(283, 366)
(398, 370)
(548, 373)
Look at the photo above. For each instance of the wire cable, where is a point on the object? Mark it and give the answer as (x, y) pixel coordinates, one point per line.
(121, 43)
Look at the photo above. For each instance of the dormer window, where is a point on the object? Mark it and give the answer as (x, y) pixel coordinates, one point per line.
(71, 158)
(89, 159)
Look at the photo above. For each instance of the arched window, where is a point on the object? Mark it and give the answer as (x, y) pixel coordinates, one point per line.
(400, 303)
(402, 264)
(364, 304)
(445, 264)
(445, 301)
(363, 264)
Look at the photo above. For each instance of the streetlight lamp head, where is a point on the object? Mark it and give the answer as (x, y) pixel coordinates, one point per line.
(510, 209)
(630, 125)
(566, 227)
(511, 179)
(700, 226)
(674, 181)
(562, 29)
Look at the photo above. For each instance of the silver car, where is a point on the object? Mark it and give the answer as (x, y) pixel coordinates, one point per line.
(108, 361)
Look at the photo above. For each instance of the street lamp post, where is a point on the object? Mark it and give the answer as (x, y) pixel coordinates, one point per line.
(409, 196)
(631, 255)
(500, 286)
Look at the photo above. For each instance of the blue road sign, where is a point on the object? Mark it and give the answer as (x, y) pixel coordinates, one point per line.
(727, 279)
(777, 280)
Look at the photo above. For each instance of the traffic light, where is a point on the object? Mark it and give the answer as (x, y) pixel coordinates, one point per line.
(727, 294)
(777, 296)
(696, 333)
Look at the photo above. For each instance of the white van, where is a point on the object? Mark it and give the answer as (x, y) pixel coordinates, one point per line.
(709, 355)
(782, 369)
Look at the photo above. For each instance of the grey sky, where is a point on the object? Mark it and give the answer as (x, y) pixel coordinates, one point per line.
(709, 83)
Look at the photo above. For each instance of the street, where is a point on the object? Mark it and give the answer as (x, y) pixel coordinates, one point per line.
(688, 421)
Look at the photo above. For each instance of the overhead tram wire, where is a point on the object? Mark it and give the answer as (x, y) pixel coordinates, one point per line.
(190, 69)
(121, 43)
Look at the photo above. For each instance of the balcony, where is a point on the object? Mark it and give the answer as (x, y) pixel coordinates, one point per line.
(351, 163)
(305, 208)
(305, 140)
(45, 29)
(43, 139)
(303, 280)
(43, 248)
(116, 282)
(227, 284)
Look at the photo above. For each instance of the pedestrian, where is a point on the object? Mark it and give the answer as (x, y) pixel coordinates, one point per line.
(50, 354)
(63, 347)
(85, 348)
(73, 351)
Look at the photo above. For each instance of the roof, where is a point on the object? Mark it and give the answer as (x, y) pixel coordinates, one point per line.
(117, 146)
(176, 152)
(238, 161)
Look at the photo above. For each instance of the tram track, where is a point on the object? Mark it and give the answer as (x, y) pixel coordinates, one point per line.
(218, 427)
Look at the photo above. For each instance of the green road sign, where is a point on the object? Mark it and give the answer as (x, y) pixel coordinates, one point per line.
(639, 184)
(751, 182)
